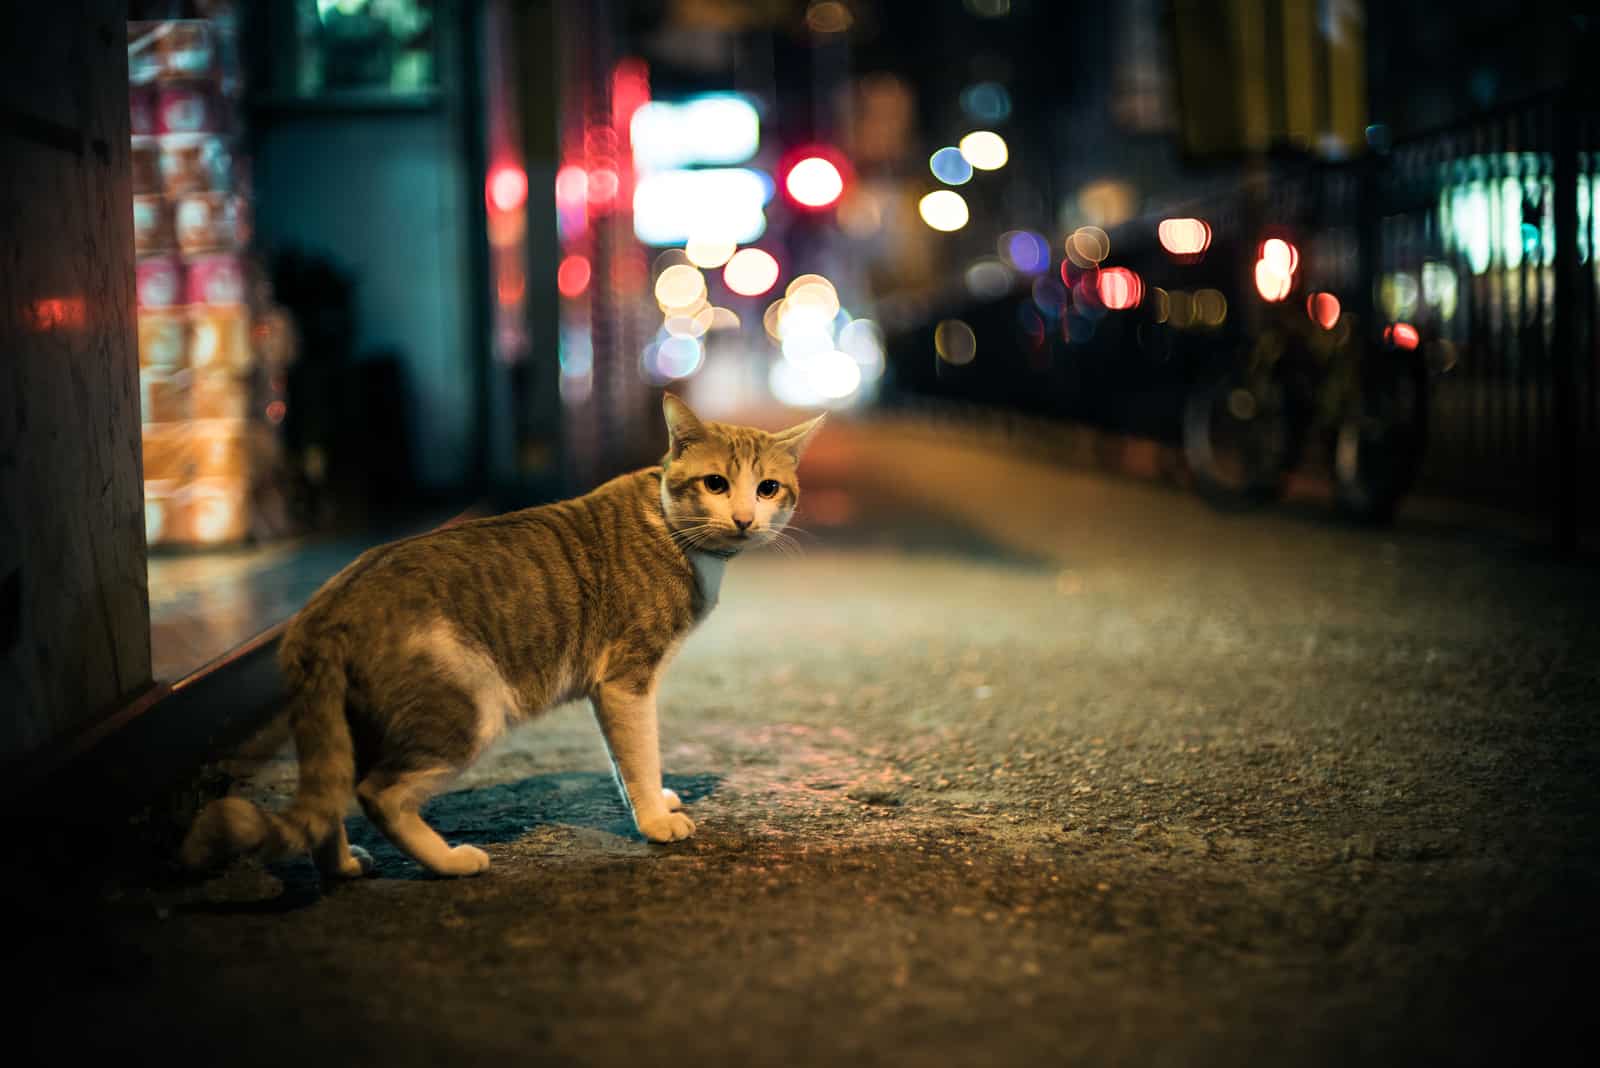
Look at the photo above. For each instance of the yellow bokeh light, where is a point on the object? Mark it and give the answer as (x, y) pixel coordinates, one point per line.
(751, 272)
(771, 319)
(1210, 307)
(818, 296)
(985, 150)
(943, 210)
(709, 252)
(680, 286)
(955, 342)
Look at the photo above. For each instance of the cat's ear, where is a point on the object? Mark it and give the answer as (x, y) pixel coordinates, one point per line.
(796, 438)
(683, 426)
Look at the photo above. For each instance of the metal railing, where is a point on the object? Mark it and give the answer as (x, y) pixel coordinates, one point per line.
(1482, 236)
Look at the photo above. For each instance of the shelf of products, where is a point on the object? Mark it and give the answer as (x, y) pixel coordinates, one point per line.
(211, 385)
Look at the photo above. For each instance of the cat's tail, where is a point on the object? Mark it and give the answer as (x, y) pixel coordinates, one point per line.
(234, 827)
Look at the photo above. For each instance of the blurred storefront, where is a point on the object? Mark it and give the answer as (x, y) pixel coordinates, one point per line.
(315, 305)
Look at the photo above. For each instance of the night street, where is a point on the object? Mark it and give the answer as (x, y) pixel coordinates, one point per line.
(1014, 764)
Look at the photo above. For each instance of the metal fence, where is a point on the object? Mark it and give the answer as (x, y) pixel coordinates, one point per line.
(1484, 235)
(1481, 236)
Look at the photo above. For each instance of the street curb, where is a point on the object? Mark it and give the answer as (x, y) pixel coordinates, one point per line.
(1150, 460)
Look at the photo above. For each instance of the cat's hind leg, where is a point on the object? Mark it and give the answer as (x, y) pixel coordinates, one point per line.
(393, 801)
(337, 859)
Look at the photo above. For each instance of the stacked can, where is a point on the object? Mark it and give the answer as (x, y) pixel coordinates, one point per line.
(191, 225)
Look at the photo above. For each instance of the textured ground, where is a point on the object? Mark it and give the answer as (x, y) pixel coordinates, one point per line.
(1014, 765)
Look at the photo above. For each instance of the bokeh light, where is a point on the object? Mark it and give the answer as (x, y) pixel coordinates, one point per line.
(680, 286)
(1323, 308)
(677, 357)
(986, 101)
(1027, 251)
(572, 186)
(828, 16)
(813, 297)
(507, 187)
(572, 277)
(1087, 246)
(950, 166)
(1402, 335)
(1186, 239)
(988, 279)
(862, 341)
(751, 272)
(1120, 289)
(955, 342)
(1275, 269)
(814, 182)
(1180, 309)
(944, 210)
(1210, 308)
(1272, 283)
(709, 253)
(985, 150)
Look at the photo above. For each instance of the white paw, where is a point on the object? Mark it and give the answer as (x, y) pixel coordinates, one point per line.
(667, 827)
(357, 865)
(466, 860)
(674, 802)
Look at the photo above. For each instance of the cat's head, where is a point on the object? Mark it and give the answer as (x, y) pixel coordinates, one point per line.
(728, 488)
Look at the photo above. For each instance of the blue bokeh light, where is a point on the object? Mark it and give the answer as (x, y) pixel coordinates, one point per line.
(950, 166)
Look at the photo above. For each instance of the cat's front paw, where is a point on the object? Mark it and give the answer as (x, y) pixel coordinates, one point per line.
(463, 861)
(674, 802)
(667, 827)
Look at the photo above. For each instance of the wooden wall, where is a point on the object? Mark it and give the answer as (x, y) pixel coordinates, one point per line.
(74, 611)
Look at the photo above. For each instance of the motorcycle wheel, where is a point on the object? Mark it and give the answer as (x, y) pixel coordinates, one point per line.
(1238, 439)
(1382, 441)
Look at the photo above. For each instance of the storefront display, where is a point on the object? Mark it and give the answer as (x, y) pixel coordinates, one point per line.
(207, 400)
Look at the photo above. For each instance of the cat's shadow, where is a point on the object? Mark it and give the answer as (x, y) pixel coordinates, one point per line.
(505, 812)
(481, 816)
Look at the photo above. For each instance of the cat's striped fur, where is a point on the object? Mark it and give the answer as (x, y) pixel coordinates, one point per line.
(411, 661)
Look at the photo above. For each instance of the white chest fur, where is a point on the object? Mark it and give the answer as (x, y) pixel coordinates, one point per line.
(708, 575)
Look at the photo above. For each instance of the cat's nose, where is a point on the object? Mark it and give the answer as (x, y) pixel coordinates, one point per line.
(742, 524)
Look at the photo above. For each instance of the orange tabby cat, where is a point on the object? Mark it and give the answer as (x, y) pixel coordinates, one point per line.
(412, 660)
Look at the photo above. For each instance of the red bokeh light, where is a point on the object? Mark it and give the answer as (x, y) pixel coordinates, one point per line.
(1323, 308)
(630, 88)
(507, 187)
(572, 277)
(1120, 289)
(572, 186)
(1402, 336)
(815, 177)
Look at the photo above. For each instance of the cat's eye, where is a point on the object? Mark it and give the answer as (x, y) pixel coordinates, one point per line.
(716, 483)
(768, 488)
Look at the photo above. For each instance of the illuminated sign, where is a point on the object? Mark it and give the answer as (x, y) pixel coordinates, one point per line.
(723, 203)
(716, 129)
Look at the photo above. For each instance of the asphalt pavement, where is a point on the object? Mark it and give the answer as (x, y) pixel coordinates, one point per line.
(1012, 764)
